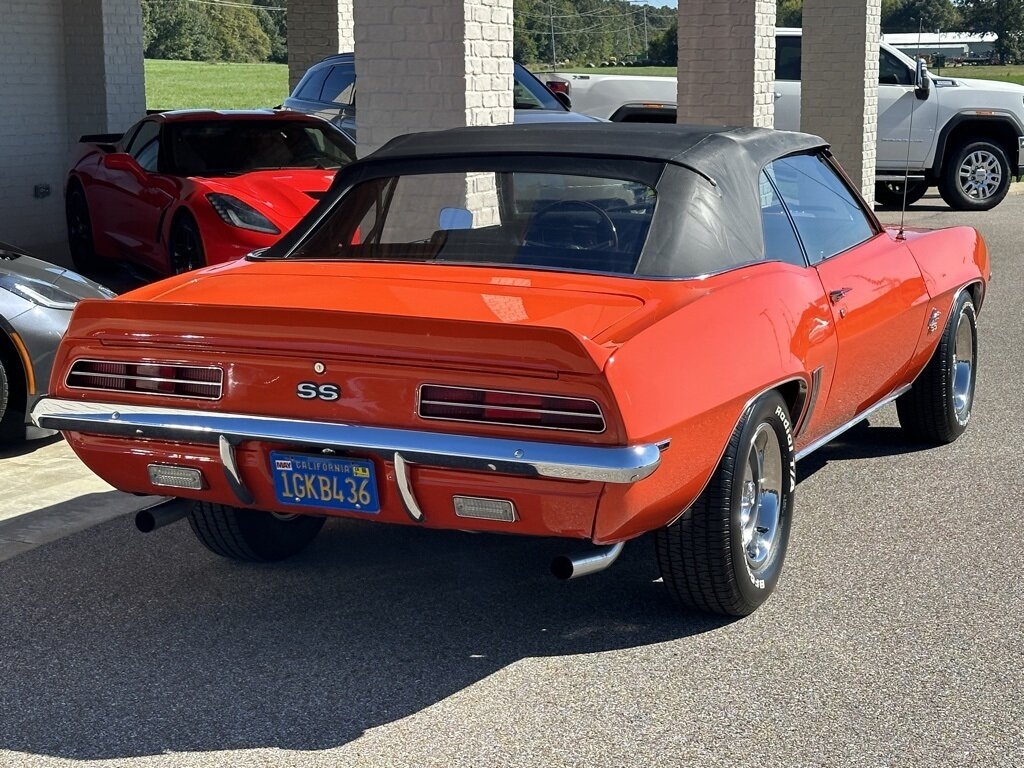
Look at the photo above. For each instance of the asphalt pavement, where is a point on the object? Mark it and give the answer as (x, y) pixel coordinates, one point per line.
(894, 639)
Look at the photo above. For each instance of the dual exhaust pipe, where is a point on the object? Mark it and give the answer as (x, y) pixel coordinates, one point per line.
(563, 567)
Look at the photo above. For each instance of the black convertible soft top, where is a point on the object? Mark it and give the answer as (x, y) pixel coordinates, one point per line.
(708, 218)
(698, 147)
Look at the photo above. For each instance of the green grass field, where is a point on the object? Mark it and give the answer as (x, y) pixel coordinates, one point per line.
(190, 84)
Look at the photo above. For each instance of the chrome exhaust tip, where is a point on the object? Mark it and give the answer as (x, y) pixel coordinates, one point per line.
(567, 567)
(164, 513)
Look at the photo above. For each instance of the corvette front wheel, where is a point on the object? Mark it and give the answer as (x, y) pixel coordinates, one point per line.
(185, 245)
(725, 554)
(251, 534)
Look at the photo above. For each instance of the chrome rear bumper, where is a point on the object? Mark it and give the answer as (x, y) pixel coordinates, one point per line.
(626, 464)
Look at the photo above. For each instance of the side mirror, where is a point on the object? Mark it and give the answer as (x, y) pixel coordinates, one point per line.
(564, 98)
(121, 161)
(922, 82)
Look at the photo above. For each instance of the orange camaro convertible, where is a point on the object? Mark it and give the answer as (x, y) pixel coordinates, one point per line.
(589, 331)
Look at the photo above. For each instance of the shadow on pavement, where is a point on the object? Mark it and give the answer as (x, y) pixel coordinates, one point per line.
(26, 447)
(118, 645)
(860, 442)
(41, 526)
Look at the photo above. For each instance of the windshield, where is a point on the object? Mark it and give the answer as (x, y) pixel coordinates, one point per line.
(232, 147)
(514, 219)
(530, 93)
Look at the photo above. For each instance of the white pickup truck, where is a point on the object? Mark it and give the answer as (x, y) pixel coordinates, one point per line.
(968, 135)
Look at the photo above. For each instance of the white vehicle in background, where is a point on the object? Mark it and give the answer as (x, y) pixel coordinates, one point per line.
(967, 139)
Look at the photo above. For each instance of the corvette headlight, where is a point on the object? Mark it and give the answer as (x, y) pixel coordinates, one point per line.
(242, 215)
(38, 292)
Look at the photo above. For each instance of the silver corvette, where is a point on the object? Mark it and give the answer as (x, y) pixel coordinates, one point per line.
(36, 299)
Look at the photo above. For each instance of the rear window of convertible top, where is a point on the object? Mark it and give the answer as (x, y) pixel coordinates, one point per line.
(547, 220)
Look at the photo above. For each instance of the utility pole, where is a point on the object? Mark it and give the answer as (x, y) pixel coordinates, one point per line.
(647, 44)
(551, 19)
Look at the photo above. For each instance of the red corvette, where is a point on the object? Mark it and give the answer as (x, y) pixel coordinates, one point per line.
(640, 330)
(181, 190)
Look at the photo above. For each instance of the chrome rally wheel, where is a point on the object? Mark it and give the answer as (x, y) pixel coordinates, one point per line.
(725, 553)
(938, 406)
(761, 501)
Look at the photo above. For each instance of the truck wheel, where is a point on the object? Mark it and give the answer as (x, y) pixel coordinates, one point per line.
(937, 407)
(724, 554)
(890, 193)
(976, 177)
(251, 535)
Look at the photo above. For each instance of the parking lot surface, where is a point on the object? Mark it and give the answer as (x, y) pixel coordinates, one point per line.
(895, 638)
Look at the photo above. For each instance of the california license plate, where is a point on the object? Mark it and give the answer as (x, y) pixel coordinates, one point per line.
(325, 482)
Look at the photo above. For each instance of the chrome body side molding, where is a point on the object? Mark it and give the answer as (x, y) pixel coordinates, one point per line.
(803, 452)
(609, 464)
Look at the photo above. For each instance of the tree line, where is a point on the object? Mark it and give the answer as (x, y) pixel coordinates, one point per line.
(545, 31)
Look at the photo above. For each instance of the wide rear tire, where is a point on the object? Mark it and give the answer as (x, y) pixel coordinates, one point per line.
(725, 554)
(938, 406)
(889, 194)
(251, 535)
(80, 234)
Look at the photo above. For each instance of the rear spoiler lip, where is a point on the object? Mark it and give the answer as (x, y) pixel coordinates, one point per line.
(100, 138)
(430, 342)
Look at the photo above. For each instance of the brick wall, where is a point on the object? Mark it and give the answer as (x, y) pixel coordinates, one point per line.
(835, 103)
(63, 74)
(431, 64)
(103, 65)
(316, 28)
(729, 82)
(33, 122)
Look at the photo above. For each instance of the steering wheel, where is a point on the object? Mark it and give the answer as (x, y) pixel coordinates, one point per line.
(601, 234)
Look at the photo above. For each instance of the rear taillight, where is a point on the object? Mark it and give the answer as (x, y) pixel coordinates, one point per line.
(519, 409)
(168, 379)
(558, 86)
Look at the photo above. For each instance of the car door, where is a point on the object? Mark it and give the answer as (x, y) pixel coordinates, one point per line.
(137, 197)
(896, 100)
(337, 97)
(787, 82)
(876, 291)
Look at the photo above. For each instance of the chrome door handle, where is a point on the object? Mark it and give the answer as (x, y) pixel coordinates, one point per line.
(837, 295)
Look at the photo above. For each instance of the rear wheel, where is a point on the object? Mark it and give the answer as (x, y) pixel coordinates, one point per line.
(250, 534)
(725, 554)
(938, 406)
(890, 193)
(185, 245)
(80, 239)
(976, 177)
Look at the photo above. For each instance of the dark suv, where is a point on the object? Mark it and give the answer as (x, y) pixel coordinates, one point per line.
(328, 90)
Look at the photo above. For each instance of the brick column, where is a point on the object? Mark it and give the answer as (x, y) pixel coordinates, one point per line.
(316, 28)
(106, 82)
(729, 81)
(431, 65)
(836, 102)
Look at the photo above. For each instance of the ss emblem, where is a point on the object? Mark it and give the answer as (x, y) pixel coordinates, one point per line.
(310, 390)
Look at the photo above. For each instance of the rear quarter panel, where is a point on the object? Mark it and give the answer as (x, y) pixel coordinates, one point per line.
(689, 376)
